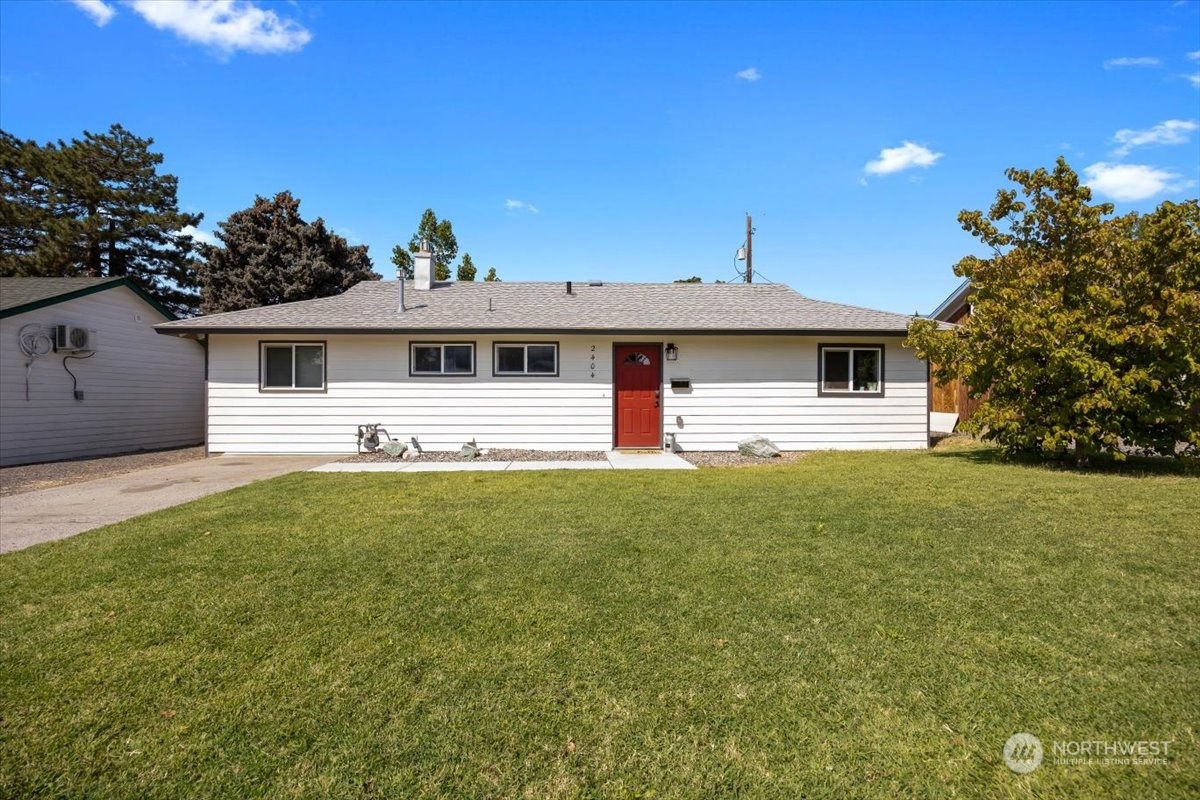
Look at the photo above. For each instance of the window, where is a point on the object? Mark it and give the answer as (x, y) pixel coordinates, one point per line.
(442, 359)
(525, 359)
(292, 366)
(850, 369)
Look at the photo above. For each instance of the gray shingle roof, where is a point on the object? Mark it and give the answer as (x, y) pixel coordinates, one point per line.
(15, 292)
(372, 306)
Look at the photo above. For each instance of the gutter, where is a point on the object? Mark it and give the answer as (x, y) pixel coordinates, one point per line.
(193, 331)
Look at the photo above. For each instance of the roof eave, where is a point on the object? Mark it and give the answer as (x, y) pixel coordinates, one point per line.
(111, 283)
(174, 330)
(956, 297)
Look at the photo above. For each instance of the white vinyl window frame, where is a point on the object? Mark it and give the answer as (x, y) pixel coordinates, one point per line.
(297, 380)
(871, 385)
(524, 372)
(441, 372)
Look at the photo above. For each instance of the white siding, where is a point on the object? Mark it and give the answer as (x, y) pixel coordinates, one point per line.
(747, 385)
(742, 385)
(141, 390)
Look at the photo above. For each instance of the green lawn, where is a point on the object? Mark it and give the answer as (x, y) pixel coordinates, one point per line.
(851, 625)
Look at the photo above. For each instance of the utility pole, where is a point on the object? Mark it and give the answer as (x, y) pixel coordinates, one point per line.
(749, 250)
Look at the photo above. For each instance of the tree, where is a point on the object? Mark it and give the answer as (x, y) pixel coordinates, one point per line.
(466, 270)
(491, 276)
(693, 279)
(270, 255)
(403, 262)
(96, 207)
(440, 235)
(28, 175)
(1084, 332)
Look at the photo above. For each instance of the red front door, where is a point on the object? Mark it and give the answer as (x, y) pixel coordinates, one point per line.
(637, 379)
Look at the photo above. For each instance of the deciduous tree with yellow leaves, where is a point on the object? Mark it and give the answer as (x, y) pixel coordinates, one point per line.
(1084, 333)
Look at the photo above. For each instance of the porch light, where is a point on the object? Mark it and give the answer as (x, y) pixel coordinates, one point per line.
(672, 352)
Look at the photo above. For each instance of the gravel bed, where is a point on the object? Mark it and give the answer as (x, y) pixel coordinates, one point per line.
(736, 459)
(491, 455)
(700, 459)
(31, 477)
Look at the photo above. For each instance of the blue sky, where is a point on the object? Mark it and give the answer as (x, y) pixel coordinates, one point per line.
(627, 141)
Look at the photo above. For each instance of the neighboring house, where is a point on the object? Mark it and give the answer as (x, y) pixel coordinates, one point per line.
(82, 372)
(950, 403)
(560, 366)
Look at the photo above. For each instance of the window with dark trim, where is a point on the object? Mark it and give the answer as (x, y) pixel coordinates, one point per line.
(534, 358)
(442, 358)
(291, 366)
(850, 369)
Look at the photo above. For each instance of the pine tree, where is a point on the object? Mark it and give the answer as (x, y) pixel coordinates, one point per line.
(96, 206)
(440, 236)
(466, 270)
(491, 276)
(270, 255)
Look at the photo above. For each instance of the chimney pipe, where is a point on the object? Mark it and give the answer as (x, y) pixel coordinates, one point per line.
(400, 274)
(423, 268)
(568, 287)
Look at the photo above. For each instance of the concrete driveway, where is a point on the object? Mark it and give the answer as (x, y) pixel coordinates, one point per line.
(50, 514)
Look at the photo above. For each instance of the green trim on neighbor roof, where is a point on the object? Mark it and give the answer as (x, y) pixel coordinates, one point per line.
(84, 292)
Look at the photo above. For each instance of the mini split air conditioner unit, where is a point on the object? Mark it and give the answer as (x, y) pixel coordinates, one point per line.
(70, 338)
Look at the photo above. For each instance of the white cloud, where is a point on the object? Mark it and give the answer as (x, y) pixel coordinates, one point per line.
(520, 205)
(349, 234)
(198, 236)
(1132, 181)
(898, 159)
(749, 74)
(227, 25)
(1139, 61)
(1173, 131)
(1194, 55)
(100, 12)
(1193, 79)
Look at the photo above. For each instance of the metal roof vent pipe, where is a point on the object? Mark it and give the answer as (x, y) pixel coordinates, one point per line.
(423, 268)
(400, 276)
(568, 287)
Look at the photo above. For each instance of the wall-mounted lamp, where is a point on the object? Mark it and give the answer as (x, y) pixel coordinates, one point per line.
(672, 352)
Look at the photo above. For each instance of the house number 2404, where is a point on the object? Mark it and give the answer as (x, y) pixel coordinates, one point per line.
(592, 364)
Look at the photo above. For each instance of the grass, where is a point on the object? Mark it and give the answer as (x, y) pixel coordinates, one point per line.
(852, 625)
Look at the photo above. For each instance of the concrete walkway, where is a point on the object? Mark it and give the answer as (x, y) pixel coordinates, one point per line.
(614, 460)
(50, 514)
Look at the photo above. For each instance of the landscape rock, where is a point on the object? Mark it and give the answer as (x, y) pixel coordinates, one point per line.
(759, 446)
(394, 449)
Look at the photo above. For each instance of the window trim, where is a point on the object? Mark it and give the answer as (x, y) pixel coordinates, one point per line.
(496, 373)
(851, 347)
(263, 344)
(413, 345)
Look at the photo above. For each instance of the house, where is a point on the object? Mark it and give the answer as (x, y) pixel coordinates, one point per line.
(82, 372)
(950, 403)
(559, 366)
